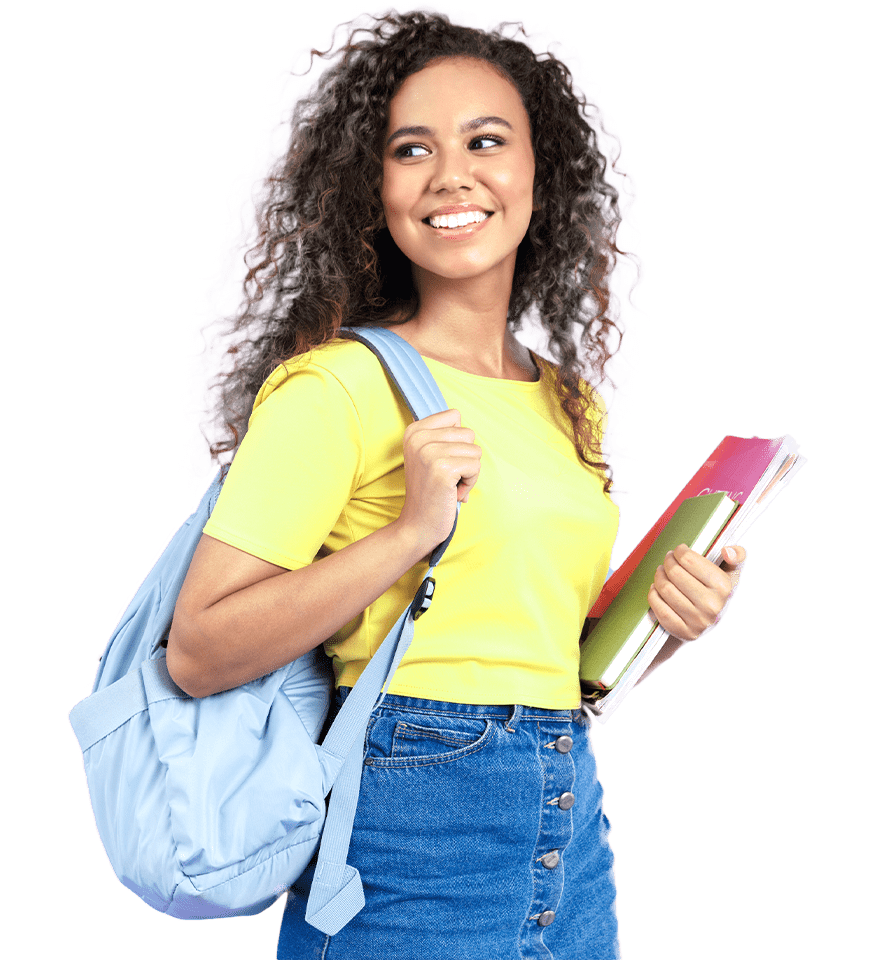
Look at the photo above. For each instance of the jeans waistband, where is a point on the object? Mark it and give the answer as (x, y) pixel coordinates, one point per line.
(474, 710)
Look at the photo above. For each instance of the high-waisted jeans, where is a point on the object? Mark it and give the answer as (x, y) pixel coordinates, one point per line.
(479, 834)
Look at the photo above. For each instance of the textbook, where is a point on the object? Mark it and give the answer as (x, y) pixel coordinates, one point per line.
(749, 473)
(628, 623)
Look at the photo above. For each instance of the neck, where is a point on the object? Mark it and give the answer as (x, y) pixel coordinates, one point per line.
(464, 324)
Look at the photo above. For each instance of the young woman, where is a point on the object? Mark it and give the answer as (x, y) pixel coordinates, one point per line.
(441, 181)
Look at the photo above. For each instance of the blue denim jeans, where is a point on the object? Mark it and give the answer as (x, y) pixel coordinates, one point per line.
(479, 834)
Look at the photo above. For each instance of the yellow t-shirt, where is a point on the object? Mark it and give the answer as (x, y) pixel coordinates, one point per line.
(321, 466)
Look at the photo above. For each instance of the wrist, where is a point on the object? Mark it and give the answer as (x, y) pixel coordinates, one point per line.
(408, 542)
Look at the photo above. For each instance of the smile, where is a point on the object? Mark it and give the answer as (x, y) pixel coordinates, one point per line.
(453, 221)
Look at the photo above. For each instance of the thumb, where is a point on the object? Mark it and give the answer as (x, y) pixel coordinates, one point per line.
(732, 557)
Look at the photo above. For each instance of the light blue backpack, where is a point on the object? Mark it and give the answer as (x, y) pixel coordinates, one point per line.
(212, 807)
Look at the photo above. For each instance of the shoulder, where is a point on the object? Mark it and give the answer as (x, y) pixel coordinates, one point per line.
(340, 381)
(339, 364)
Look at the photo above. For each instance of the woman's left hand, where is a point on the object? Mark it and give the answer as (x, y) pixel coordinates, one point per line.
(689, 592)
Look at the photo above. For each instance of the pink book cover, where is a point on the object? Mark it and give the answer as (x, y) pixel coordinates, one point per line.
(734, 467)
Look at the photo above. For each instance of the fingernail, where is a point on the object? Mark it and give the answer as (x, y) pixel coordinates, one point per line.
(730, 553)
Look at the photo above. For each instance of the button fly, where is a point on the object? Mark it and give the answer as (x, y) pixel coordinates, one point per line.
(566, 801)
(546, 918)
(564, 743)
(551, 859)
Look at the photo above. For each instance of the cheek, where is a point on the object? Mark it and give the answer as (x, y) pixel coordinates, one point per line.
(387, 194)
(517, 183)
(394, 199)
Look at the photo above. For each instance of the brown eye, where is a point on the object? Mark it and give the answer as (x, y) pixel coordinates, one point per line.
(485, 142)
(411, 150)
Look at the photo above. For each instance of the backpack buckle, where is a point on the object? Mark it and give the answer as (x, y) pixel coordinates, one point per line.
(424, 596)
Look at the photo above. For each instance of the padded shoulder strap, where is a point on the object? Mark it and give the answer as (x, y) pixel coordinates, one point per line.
(405, 368)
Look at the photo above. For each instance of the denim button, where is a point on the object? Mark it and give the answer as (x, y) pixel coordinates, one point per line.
(564, 743)
(551, 859)
(546, 918)
(566, 801)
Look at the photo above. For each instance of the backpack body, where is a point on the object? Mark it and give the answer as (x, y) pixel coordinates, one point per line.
(212, 807)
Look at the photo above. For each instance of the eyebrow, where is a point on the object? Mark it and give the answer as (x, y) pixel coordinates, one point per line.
(475, 124)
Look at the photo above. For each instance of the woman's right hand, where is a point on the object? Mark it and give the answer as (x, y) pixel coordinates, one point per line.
(442, 464)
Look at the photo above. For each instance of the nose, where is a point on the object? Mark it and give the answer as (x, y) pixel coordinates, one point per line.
(453, 171)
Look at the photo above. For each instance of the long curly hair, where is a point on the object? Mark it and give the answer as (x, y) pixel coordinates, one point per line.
(323, 257)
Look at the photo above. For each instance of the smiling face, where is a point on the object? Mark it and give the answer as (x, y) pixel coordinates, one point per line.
(458, 171)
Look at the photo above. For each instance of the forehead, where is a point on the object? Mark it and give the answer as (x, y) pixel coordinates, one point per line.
(456, 88)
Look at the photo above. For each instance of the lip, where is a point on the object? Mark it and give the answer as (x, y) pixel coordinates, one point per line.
(452, 233)
(457, 208)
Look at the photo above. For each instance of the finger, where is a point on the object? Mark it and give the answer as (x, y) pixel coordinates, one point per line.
(696, 605)
(733, 557)
(445, 418)
(678, 596)
(465, 485)
(430, 446)
(701, 583)
(442, 418)
(438, 449)
(734, 567)
(671, 622)
(702, 570)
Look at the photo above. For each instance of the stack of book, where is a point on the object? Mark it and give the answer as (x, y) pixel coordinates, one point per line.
(734, 486)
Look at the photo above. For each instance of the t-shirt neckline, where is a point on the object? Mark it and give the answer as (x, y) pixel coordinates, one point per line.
(500, 381)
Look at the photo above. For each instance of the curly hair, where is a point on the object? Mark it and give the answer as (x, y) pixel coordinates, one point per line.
(323, 257)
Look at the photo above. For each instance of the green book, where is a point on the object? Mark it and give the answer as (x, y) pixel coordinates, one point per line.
(626, 625)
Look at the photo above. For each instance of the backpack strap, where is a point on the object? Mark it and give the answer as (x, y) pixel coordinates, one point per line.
(337, 892)
(405, 368)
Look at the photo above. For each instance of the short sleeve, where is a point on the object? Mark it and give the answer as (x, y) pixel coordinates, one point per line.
(296, 469)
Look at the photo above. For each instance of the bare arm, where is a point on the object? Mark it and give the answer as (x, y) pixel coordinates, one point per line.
(239, 617)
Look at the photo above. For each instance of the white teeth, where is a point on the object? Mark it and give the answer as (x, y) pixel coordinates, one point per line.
(451, 221)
